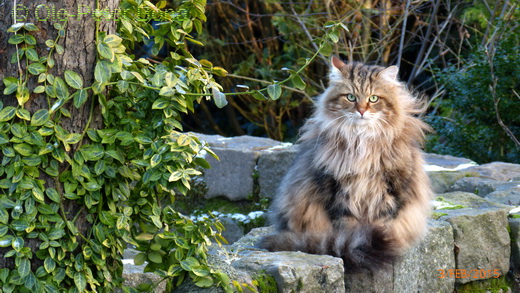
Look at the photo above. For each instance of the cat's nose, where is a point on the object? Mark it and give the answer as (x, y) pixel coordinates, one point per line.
(362, 111)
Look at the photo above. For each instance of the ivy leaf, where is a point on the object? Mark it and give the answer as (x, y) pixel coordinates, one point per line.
(36, 68)
(274, 91)
(155, 257)
(298, 82)
(49, 264)
(80, 281)
(52, 194)
(40, 117)
(105, 51)
(80, 97)
(73, 79)
(219, 98)
(72, 138)
(11, 85)
(24, 268)
(7, 113)
(102, 72)
(62, 92)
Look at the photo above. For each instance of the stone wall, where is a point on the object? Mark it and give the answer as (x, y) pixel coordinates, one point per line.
(474, 234)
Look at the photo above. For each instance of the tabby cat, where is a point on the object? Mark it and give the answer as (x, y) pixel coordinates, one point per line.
(357, 189)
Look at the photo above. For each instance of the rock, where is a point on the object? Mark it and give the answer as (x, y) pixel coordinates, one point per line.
(272, 166)
(509, 197)
(233, 231)
(133, 276)
(480, 235)
(447, 162)
(232, 175)
(417, 271)
(514, 225)
(441, 181)
(297, 271)
(483, 186)
(498, 170)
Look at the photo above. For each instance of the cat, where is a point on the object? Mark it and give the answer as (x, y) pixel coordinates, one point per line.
(357, 189)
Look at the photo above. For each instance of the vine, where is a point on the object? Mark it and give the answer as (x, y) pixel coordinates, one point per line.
(125, 175)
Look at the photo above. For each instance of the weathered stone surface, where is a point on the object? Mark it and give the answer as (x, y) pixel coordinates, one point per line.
(480, 234)
(232, 175)
(272, 166)
(509, 197)
(441, 181)
(417, 271)
(483, 186)
(233, 230)
(498, 170)
(297, 271)
(445, 161)
(514, 225)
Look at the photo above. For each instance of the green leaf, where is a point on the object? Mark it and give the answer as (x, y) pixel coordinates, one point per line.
(155, 257)
(30, 27)
(298, 82)
(155, 160)
(80, 281)
(31, 54)
(52, 194)
(274, 91)
(259, 96)
(49, 264)
(16, 39)
(105, 51)
(72, 138)
(73, 79)
(6, 240)
(23, 149)
(36, 68)
(80, 97)
(142, 139)
(113, 40)
(23, 114)
(11, 85)
(62, 92)
(7, 113)
(189, 263)
(102, 72)
(24, 268)
(33, 160)
(160, 104)
(39, 89)
(219, 98)
(204, 282)
(40, 117)
(140, 258)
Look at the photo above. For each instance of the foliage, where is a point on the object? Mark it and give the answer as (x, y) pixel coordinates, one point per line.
(479, 117)
(122, 175)
(256, 40)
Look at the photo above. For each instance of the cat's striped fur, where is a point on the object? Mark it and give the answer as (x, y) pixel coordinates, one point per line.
(357, 190)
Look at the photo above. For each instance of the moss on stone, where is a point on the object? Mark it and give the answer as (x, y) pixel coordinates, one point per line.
(498, 285)
(265, 283)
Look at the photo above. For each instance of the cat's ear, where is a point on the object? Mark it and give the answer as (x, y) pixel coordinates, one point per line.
(390, 73)
(335, 69)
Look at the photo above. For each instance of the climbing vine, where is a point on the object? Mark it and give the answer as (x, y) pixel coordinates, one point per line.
(125, 174)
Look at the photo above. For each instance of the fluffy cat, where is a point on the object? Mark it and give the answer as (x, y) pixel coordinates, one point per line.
(357, 189)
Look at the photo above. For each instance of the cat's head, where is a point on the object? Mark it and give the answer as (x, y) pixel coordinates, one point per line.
(364, 97)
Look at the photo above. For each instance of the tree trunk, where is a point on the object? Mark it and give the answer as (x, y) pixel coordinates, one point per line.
(79, 55)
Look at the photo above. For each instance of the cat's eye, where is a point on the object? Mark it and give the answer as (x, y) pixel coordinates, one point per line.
(351, 97)
(373, 99)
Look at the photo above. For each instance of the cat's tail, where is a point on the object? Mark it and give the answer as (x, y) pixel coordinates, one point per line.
(364, 248)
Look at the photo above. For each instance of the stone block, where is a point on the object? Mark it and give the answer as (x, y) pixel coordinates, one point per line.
(272, 166)
(417, 270)
(441, 181)
(447, 162)
(232, 175)
(483, 186)
(297, 271)
(480, 234)
(498, 170)
(514, 225)
(508, 197)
